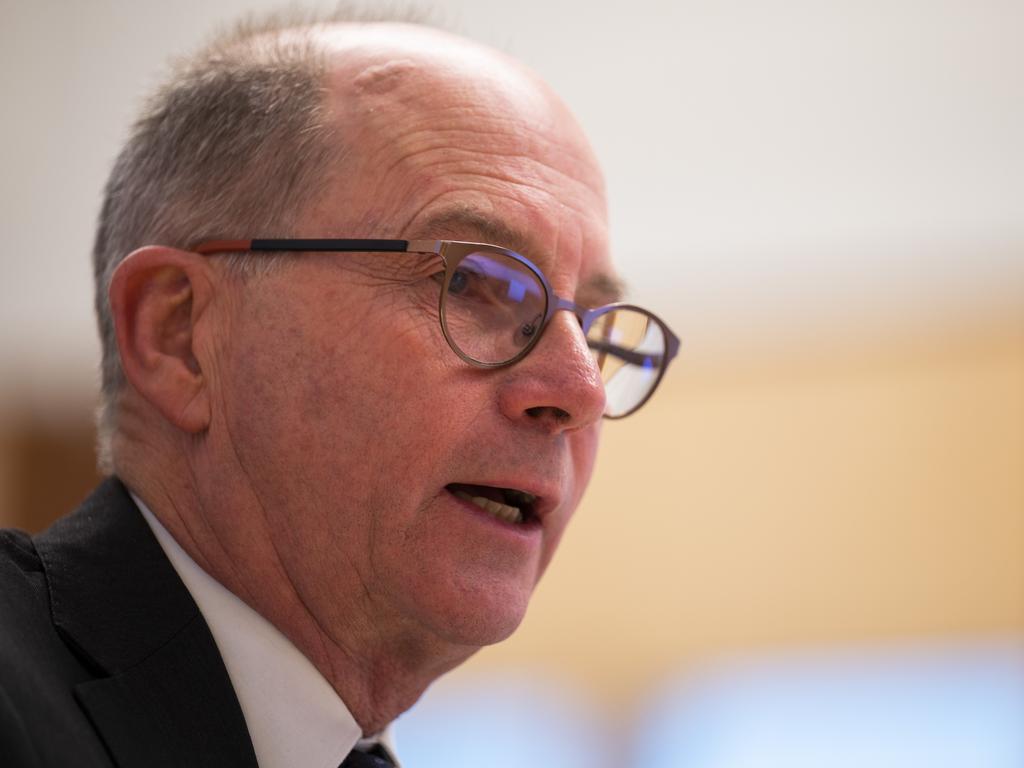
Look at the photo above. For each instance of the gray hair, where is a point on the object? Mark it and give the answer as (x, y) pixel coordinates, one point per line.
(235, 144)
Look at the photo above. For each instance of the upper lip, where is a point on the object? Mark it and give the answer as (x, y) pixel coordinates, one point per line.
(545, 497)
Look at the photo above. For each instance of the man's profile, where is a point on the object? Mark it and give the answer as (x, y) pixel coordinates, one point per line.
(360, 328)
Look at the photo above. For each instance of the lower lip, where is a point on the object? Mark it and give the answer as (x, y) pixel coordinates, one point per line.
(526, 530)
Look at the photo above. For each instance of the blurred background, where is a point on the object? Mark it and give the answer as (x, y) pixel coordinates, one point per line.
(809, 548)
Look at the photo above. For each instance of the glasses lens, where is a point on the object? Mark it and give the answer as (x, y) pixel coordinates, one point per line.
(494, 307)
(629, 346)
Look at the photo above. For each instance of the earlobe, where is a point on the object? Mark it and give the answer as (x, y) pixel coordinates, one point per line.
(157, 298)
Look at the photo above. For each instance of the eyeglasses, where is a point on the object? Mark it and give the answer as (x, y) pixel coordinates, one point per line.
(495, 305)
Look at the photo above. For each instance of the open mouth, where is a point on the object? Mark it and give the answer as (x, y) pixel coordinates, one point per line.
(509, 505)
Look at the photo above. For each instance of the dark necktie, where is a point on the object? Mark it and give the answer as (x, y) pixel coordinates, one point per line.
(375, 757)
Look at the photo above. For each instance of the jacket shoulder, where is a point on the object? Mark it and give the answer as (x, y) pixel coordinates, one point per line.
(16, 547)
(23, 598)
(40, 721)
(31, 650)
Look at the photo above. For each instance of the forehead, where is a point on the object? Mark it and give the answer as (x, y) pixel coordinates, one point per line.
(434, 125)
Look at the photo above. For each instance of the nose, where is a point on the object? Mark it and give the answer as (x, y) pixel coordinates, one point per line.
(557, 387)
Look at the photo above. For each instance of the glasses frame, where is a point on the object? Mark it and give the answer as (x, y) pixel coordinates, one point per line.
(452, 253)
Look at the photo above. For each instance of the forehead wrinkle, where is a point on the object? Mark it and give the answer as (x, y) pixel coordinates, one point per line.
(416, 116)
(466, 223)
(456, 137)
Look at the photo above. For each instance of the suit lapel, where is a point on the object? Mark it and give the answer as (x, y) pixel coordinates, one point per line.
(162, 695)
(176, 708)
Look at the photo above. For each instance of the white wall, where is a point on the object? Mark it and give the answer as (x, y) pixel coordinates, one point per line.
(773, 165)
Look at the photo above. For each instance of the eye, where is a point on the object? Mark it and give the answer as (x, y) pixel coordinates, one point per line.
(459, 282)
(472, 283)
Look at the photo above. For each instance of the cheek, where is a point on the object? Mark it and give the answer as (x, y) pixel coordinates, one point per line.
(584, 454)
(358, 404)
(379, 402)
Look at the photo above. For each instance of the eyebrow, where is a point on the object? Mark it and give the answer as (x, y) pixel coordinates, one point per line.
(603, 287)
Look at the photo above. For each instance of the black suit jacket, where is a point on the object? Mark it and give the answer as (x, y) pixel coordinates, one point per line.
(104, 658)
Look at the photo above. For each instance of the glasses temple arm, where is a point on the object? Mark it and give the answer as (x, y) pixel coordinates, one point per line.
(627, 355)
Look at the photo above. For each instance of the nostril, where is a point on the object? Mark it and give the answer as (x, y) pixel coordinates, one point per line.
(548, 411)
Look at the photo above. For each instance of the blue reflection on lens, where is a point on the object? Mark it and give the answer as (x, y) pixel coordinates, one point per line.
(516, 290)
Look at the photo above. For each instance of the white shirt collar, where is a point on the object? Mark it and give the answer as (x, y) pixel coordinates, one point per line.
(293, 714)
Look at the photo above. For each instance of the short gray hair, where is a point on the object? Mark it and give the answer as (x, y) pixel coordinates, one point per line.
(236, 143)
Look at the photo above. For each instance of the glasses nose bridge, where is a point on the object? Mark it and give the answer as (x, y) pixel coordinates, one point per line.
(585, 317)
(582, 315)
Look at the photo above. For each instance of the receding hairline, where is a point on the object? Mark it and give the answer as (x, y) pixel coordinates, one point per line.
(353, 51)
(296, 24)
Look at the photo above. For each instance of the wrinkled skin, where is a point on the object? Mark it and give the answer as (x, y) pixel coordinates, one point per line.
(337, 412)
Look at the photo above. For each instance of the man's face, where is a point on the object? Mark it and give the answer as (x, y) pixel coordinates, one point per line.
(349, 415)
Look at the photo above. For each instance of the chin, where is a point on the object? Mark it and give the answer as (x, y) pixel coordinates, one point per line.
(478, 615)
(479, 633)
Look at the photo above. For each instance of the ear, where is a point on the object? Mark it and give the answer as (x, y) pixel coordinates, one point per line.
(158, 296)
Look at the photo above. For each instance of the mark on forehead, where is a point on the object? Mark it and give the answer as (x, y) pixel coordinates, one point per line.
(381, 78)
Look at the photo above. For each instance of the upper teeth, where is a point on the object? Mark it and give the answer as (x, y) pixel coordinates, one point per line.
(500, 511)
